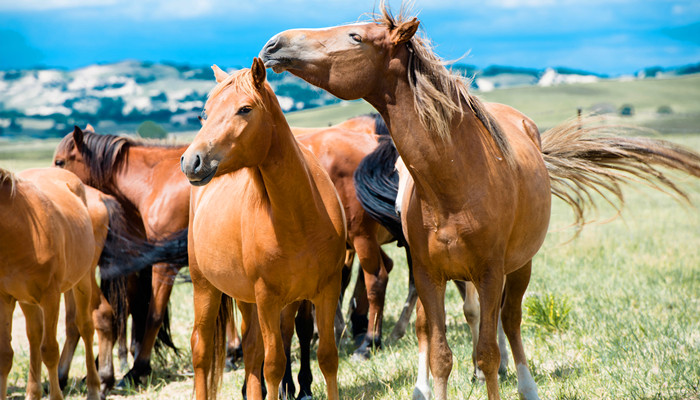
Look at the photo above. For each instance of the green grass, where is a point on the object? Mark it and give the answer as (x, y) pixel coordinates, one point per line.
(632, 288)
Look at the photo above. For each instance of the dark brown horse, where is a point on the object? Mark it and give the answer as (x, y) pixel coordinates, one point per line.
(478, 206)
(47, 247)
(266, 227)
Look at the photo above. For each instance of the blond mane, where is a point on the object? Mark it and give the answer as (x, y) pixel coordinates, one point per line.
(241, 80)
(438, 93)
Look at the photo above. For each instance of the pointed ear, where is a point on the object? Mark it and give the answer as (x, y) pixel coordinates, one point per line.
(404, 32)
(258, 71)
(89, 128)
(219, 74)
(78, 137)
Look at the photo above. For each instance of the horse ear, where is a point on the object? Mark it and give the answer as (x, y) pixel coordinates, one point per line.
(219, 74)
(89, 128)
(258, 71)
(404, 32)
(78, 137)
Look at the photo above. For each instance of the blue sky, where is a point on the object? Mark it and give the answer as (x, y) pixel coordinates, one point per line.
(605, 36)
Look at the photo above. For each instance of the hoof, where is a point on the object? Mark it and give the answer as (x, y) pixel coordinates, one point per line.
(421, 393)
(134, 378)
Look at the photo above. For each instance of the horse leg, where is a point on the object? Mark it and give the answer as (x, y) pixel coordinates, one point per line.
(207, 300)
(422, 389)
(490, 289)
(49, 346)
(470, 307)
(431, 291)
(305, 332)
(359, 307)
(516, 283)
(269, 309)
(7, 307)
(234, 351)
(84, 306)
(103, 317)
(408, 306)
(139, 292)
(345, 281)
(72, 337)
(376, 279)
(287, 388)
(34, 324)
(253, 351)
(327, 353)
(162, 283)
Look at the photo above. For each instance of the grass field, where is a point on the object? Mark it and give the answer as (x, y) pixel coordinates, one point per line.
(632, 286)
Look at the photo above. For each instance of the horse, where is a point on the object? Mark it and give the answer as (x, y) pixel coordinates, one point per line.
(478, 205)
(47, 247)
(146, 181)
(281, 239)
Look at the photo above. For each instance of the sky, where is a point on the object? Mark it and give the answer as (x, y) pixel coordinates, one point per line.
(604, 36)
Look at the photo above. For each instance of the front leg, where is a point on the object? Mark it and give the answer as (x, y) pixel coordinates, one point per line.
(7, 307)
(207, 300)
(269, 309)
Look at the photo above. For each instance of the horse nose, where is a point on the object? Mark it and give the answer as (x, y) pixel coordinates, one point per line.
(197, 164)
(273, 45)
(182, 163)
(191, 166)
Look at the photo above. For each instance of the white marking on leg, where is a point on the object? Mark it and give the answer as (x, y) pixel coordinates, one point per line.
(527, 388)
(422, 389)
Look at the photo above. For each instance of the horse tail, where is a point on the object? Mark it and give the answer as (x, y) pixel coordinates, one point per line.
(377, 185)
(216, 368)
(114, 287)
(131, 254)
(584, 158)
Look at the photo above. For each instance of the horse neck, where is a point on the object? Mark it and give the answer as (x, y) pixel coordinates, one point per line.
(441, 168)
(285, 177)
(134, 180)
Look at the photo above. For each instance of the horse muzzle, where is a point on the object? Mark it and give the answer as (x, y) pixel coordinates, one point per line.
(197, 171)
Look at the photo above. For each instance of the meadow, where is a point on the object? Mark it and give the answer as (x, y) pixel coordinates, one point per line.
(611, 314)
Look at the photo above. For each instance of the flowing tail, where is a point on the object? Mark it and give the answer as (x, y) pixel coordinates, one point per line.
(124, 254)
(584, 158)
(377, 184)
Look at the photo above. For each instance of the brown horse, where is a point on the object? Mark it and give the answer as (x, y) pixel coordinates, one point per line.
(47, 247)
(479, 205)
(146, 181)
(268, 228)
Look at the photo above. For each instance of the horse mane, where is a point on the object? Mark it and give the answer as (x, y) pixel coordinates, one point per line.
(241, 80)
(380, 127)
(8, 177)
(438, 93)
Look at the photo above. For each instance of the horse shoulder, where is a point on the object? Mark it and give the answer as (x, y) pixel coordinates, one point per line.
(326, 190)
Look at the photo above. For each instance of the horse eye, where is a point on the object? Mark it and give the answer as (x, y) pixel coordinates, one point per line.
(357, 38)
(59, 163)
(244, 110)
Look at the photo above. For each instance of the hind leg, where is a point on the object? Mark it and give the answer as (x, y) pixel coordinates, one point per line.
(516, 283)
(470, 307)
(234, 351)
(49, 346)
(163, 279)
(103, 318)
(72, 338)
(34, 320)
(7, 307)
(376, 279)
(340, 326)
(410, 303)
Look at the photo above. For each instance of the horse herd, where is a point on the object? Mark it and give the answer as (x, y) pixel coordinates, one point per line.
(273, 216)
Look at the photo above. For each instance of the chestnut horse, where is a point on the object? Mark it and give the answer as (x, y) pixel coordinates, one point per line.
(266, 227)
(146, 181)
(478, 206)
(47, 247)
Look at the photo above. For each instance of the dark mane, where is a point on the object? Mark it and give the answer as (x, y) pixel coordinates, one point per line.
(438, 93)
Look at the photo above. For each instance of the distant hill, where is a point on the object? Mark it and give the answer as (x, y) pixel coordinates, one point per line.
(118, 97)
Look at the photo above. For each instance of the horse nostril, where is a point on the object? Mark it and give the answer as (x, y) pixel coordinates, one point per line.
(197, 163)
(270, 45)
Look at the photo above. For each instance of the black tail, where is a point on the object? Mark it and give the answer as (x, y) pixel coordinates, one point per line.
(377, 185)
(127, 254)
